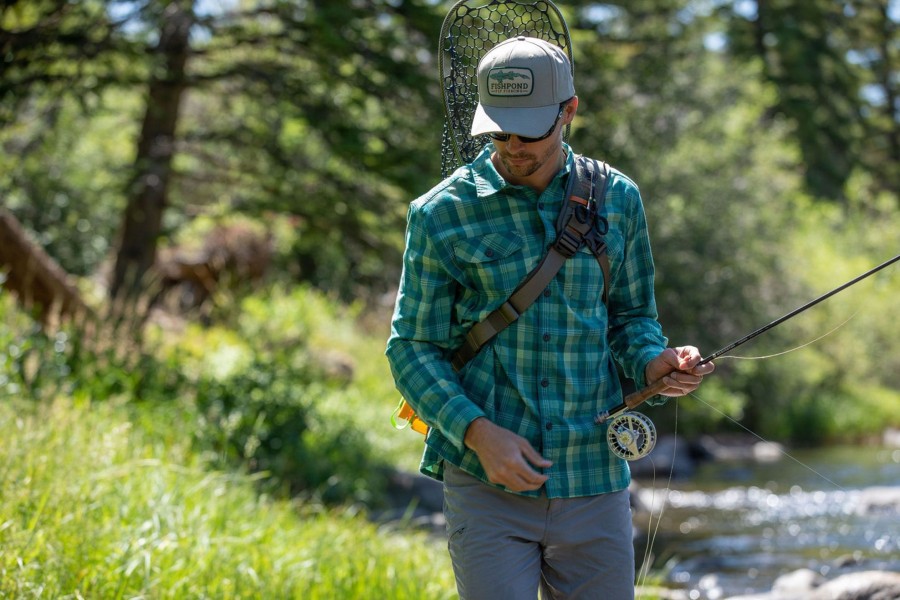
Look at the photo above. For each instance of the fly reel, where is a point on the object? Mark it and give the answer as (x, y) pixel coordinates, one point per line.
(631, 435)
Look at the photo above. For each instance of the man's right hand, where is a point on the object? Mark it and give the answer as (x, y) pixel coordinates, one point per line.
(506, 457)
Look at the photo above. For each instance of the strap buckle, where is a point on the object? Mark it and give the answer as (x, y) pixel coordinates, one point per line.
(569, 241)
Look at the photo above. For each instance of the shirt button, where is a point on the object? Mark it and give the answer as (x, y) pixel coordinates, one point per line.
(546, 293)
(545, 383)
(546, 337)
(549, 426)
(540, 206)
(489, 253)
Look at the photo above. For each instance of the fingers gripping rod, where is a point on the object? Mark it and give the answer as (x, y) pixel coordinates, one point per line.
(639, 397)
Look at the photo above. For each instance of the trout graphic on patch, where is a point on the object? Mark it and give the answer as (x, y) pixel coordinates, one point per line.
(501, 76)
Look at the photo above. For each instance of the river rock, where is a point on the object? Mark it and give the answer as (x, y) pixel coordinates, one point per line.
(809, 585)
(671, 456)
(796, 583)
(739, 447)
(864, 585)
(414, 499)
(879, 499)
(891, 438)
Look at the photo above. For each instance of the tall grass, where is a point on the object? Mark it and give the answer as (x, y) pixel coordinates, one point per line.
(94, 507)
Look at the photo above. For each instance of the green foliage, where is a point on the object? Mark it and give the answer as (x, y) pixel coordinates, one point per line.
(260, 392)
(65, 185)
(310, 111)
(83, 363)
(321, 121)
(737, 241)
(710, 409)
(257, 396)
(263, 417)
(55, 48)
(803, 48)
(96, 507)
(349, 98)
(831, 372)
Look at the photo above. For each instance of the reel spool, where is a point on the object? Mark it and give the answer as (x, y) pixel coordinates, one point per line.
(631, 435)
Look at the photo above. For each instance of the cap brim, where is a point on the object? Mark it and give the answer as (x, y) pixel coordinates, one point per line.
(528, 122)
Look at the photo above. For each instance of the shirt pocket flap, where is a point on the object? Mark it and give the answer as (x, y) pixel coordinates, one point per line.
(488, 247)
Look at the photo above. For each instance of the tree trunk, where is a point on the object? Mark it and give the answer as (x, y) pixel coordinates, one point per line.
(147, 194)
(887, 79)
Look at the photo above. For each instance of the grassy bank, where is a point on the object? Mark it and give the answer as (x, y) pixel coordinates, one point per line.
(94, 507)
(167, 476)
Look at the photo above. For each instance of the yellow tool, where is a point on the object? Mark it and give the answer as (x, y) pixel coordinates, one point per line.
(405, 413)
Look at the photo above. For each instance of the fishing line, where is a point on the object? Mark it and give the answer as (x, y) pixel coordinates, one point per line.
(762, 439)
(644, 571)
(800, 347)
(638, 397)
(653, 531)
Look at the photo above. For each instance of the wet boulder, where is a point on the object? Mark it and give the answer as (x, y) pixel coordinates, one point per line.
(809, 585)
(879, 499)
(864, 585)
(672, 455)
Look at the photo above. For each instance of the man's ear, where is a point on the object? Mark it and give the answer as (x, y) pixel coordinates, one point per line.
(571, 109)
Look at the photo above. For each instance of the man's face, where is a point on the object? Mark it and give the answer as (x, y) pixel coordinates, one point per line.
(523, 160)
(535, 160)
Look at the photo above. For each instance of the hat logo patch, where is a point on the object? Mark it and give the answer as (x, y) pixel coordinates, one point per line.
(510, 81)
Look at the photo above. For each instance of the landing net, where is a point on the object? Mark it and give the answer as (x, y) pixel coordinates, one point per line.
(470, 29)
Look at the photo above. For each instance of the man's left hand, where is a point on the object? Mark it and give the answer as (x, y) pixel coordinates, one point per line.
(678, 368)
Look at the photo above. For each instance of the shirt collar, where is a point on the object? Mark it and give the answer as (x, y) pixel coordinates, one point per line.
(488, 180)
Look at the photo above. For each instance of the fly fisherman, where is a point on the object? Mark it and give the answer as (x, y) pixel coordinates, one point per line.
(534, 498)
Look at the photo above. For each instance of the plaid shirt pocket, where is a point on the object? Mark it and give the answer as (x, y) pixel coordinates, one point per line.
(492, 264)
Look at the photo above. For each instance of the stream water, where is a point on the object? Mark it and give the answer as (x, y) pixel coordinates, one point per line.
(734, 527)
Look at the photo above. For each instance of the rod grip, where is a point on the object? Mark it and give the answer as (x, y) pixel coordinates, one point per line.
(639, 397)
(631, 401)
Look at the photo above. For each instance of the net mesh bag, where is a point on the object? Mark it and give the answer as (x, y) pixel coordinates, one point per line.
(470, 29)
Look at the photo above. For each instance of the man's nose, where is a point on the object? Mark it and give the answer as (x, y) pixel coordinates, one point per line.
(514, 143)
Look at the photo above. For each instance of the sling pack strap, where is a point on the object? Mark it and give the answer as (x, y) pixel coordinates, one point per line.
(579, 223)
(585, 203)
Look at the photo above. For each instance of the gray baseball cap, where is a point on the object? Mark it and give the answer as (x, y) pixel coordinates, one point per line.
(521, 83)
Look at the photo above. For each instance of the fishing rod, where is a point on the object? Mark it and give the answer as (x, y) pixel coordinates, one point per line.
(636, 398)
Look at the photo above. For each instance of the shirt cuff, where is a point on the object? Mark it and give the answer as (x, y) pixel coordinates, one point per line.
(643, 359)
(455, 417)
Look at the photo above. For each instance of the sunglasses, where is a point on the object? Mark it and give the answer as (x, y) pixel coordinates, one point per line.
(504, 137)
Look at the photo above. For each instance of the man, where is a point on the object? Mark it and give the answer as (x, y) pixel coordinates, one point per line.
(533, 496)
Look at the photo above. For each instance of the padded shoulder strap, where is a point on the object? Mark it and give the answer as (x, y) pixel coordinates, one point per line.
(586, 201)
(579, 222)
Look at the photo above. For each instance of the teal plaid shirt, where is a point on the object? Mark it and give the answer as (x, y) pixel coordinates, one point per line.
(469, 243)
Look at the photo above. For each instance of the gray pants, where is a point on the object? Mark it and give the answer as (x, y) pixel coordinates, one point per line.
(505, 547)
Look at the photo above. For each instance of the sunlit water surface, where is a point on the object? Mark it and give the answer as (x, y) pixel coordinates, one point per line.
(734, 527)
